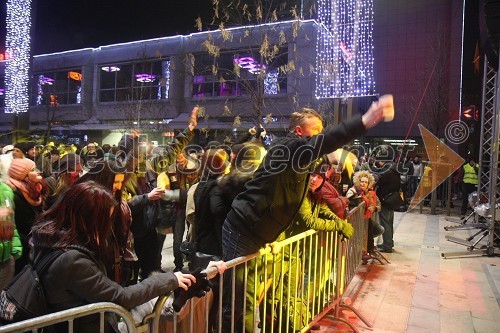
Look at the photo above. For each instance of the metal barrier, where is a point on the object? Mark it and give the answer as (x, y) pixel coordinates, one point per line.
(70, 315)
(288, 286)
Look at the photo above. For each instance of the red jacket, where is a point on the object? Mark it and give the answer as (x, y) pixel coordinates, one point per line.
(333, 200)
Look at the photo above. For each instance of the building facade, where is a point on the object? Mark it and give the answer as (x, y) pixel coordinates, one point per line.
(153, 84)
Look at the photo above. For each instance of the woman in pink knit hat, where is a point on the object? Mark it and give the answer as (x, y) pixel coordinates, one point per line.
(26, 182)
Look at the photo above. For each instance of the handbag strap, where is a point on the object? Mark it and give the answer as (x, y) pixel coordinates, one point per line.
(41, 264)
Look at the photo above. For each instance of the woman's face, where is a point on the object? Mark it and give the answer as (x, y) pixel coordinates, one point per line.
(74, 175)
(363, 184)
(118, 183)
(34, 176)
(17, 153)
(315, 182)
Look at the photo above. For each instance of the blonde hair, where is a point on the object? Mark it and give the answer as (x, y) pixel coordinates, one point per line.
(299, 118)
(363, 174)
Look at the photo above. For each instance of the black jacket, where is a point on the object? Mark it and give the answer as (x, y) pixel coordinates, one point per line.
(273, 196)
(388, 182)
(208, 228)
(76, 278)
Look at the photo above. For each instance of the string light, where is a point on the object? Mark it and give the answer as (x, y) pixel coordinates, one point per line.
(165, 83)
(17, 44)
(271, 83)
(344, 49)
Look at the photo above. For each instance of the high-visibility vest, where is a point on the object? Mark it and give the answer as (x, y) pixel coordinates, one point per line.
(470, 175)
(426, 177)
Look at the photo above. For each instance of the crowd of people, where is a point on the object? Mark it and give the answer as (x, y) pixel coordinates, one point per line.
(109, 208)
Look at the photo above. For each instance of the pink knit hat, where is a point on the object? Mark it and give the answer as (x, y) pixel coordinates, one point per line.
(20, 167)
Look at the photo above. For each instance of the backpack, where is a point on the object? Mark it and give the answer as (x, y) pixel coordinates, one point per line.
(23, 298)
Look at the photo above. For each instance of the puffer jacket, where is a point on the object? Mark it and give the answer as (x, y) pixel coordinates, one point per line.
(271, 199)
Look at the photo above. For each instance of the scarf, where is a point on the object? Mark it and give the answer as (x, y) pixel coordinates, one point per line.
(31, 191)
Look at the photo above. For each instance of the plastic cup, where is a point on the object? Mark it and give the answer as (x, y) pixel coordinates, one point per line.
(387, 103)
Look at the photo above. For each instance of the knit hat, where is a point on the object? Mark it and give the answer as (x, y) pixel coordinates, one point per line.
(24, 146)
(20, 167)
(7, 149)
(21, 146)
(68, 163)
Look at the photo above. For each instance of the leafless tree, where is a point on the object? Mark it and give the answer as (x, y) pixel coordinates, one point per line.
(269, 47)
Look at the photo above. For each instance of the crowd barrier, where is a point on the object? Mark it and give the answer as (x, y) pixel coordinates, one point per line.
(288, 286)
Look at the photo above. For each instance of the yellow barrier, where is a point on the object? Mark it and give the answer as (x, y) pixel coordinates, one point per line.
(285, 287)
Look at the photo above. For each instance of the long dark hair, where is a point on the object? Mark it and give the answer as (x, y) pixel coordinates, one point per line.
(103, 173)
(80, 216)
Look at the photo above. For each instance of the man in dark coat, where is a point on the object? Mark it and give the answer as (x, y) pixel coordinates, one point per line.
(271, 199)
(389, 182)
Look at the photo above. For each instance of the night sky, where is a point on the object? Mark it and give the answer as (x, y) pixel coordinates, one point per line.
(60, 25)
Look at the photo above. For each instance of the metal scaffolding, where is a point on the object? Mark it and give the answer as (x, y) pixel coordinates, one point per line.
(488, 185)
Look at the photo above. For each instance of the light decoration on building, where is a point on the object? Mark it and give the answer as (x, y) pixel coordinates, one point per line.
(79, 95)
(39, 90)
(45, 80)
(271, 83)
(17, 45)
(2, 92)
(145, 78)
(110, 68)
(165, 81)
(250, 64)
(75, 76)
(344, 49)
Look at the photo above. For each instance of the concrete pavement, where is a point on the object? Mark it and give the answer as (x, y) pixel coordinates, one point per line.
(420, 292)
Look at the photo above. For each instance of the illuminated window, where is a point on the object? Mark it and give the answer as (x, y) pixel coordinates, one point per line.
(64, 85)
(147, 80)
(236, 73)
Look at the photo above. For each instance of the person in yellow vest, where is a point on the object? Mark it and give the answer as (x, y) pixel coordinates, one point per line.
(469, 182)
(427, 183)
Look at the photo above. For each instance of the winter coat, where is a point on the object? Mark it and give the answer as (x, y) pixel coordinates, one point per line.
(314, 215)
(337, 203)
(76, 278)
(11, 247)
(208, 228)
(272, 198)
(388, 182)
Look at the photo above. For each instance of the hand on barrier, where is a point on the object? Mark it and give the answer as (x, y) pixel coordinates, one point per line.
(197, 289)
(347, 230)
(220, 265)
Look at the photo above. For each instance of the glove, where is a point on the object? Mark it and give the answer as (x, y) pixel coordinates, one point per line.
(198, 289)
(347, 230)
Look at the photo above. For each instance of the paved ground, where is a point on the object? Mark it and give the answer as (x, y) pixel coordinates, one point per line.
(420, 292)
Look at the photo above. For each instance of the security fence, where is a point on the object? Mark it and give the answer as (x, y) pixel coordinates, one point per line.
(288, 286)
